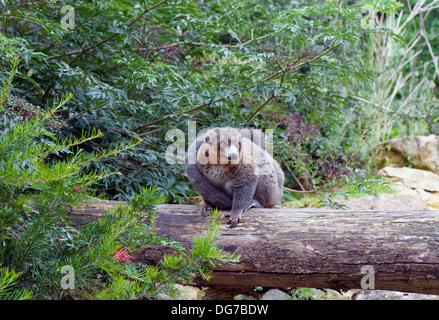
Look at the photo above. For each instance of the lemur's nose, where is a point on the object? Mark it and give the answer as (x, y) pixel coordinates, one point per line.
(232, 153)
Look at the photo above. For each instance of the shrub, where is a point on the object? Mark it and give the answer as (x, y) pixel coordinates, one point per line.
(39, 239)
(137, 71)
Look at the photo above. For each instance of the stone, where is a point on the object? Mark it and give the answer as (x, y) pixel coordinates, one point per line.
(391, 295)
(384, 157)
(274, 294)
(415, 183)
(188, 292)
(412, 178)
(329, 294)
(431, 199)
(385, 201)
(420, 151)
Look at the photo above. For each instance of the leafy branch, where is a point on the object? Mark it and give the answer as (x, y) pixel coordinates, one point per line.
(109, 38)
(205, 104)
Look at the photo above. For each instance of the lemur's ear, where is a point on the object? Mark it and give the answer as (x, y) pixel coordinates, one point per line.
(210, 136)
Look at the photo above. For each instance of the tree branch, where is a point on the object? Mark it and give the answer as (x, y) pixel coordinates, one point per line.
(301, 191)
(186, 111)
(165, 46)
(295, 178)
(88, 110)
(259, 109)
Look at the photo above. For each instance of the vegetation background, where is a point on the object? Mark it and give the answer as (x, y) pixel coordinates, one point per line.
(90, 89)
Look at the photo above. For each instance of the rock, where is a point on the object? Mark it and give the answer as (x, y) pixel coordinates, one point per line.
(188, 292)
(420, 151)
(384, 157)
(391, 295)
(385, 201)
(329, 294)
(421, 182)
(412, 178)
(274, 294)
(431, 199)
(415, 183)
(181, 292)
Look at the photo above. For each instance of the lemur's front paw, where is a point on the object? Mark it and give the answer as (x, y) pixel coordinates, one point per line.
(206, 211)
(234, 220)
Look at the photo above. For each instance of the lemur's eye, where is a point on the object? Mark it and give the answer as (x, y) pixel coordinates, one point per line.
(238, 145)
(222, 145)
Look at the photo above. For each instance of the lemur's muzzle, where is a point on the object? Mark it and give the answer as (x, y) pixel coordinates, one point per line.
(232, 153)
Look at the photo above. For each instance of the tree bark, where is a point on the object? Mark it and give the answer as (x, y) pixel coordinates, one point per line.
(316, 248)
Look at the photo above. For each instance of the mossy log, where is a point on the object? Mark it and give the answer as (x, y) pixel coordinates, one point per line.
(316, 248)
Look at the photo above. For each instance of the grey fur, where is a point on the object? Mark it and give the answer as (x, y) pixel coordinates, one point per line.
(256, 181)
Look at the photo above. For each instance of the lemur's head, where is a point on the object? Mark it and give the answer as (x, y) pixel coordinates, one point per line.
(222, 146)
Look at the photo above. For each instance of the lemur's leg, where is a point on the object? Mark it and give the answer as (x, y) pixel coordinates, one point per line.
(254, 204)
(212, 196)
(242, 200)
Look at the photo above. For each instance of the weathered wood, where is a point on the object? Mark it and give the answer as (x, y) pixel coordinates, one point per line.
(318, 248)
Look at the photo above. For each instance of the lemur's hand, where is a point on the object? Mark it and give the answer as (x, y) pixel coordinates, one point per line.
(235, 218)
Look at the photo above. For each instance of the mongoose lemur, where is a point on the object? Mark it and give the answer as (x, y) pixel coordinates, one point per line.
(231, 170)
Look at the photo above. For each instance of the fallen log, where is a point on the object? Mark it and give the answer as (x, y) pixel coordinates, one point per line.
(316, 248)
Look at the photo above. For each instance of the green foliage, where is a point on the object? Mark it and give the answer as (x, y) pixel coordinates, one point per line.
(141, 281)
(205, 251)
(136, 70)
(7, 283)
(38, 236)
(302, 294)
(85, 111)
(402, 99)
